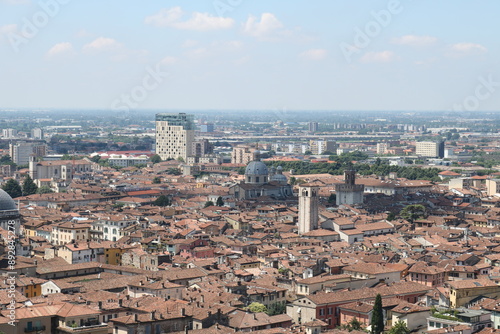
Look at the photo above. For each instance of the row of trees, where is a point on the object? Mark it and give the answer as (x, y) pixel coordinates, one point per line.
(380, 168)
(15, 189)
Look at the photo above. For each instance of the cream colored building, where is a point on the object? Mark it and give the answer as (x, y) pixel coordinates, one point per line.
(69, 231)
(382, 148)
(320, 146)
(493, 187)
(174, 135)
(242, 154)
(429, 149)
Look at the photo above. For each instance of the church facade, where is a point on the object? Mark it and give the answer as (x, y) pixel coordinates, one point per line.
(261, 181)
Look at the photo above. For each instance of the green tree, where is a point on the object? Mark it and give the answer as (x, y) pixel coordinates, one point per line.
(5, 159)
(156, 180)
(353, 325)
(29, 187)
(413, 212)
(308, 152)
(174, 171)
(332, 199)
(208, 203)
(155, 159)
(44, 190)
(276, 308)
(377, 322)
(180, 159)
(399, 328)
(220, 201)
(257, 307)
(95, 158)
(162, 200)
(13, 188)
(390, 216)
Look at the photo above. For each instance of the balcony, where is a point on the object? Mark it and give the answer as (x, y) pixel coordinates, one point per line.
(34, 329)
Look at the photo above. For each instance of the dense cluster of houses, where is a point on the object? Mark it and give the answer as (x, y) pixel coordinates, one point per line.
(101, 257)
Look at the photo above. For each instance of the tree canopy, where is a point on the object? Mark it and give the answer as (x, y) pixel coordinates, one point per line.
(344, 161)
(257, 307)
(44, 190)
(399, 328)
(155, 159)
(413, 212)
(162, 200)
(377, 322)
(13, 188)
(29, 187)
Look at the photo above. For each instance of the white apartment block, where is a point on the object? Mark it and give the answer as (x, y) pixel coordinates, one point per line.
(20, 152)
(429, 149)
(174, 135)
(382, 148)
(320, 146)
(123, 160)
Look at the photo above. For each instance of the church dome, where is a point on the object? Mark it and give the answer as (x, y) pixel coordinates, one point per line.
(256, 168)
(6, 202)
(279, 177)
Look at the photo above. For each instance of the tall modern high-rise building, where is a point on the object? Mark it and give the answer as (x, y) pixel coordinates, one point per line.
(174, 135)
(20, 151)
(313, 126)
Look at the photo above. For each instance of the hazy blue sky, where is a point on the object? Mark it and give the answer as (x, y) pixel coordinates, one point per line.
(250, 54)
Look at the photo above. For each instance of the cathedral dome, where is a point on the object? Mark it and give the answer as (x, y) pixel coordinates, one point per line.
(6, 202)
(279, 177)
(256, 168)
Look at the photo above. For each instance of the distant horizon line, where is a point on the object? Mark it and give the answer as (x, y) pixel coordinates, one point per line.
(27, 109)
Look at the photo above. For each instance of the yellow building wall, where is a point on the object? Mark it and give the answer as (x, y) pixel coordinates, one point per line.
(33, 290)
(113, 256)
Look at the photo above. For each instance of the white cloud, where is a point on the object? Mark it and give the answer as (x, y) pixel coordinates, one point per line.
(102, 44)
(468, 48)
(190, 43)
(7, 29)
(168, 60)
(414, 40)
(198, 21)
(61, 49)
(267, 26)
(378, 57)
(314, 54)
